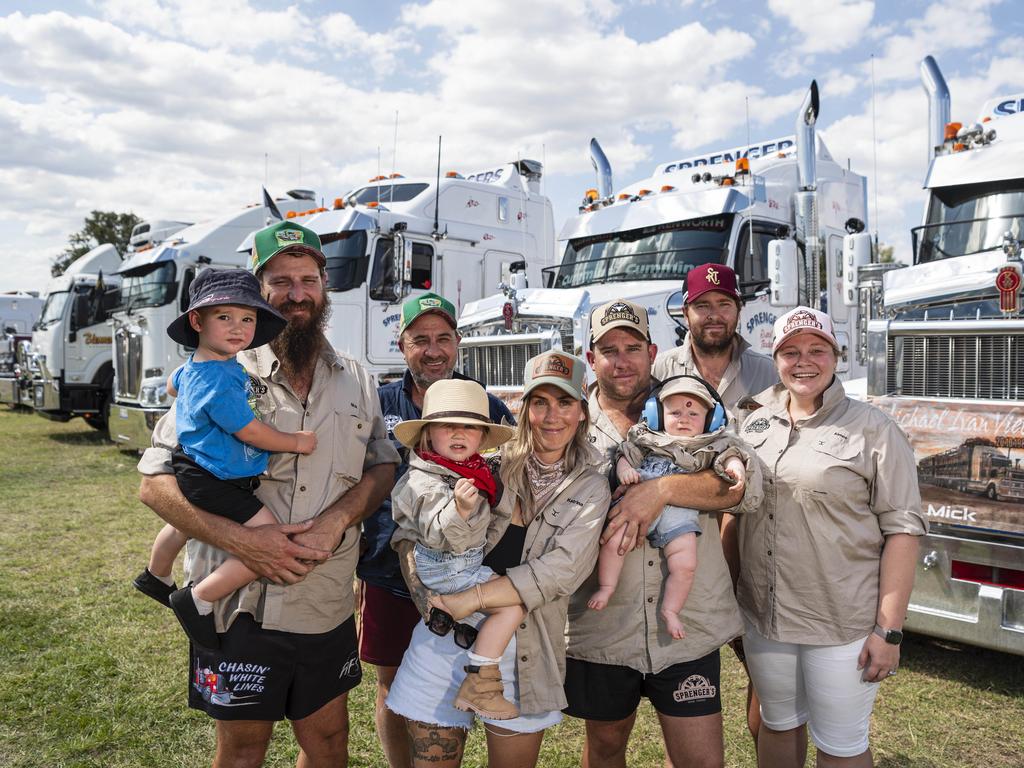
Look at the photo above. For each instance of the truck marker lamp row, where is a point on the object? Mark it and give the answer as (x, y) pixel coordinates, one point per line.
(952, 129)
(339, 203)
(453, 175)
(667, 188)
(296, 214)
(1007, 578)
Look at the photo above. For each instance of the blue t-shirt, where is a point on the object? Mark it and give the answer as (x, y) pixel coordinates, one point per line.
(212, 405)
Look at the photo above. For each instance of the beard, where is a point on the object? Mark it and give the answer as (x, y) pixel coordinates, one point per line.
(298, 345)
(422, 381)
(712, 346)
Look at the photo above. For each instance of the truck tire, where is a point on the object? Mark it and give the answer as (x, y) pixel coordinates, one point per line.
(101, 418)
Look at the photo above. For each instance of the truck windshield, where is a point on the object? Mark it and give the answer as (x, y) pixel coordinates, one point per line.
(661, 252)
(152, 286)
(53, 308)
(347, 260)
(385, 193)
(966, 220)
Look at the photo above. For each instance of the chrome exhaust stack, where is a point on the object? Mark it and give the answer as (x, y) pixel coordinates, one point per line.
(805, 202)
(938, 104)
(603, 168)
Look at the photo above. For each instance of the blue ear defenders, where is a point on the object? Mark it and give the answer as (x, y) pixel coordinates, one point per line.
(654, 414)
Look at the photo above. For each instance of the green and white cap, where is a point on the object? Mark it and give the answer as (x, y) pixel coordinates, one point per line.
(285, 236)
(567, 372)
(421, 305)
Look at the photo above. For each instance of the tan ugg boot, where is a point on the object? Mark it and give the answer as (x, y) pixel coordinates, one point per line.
(482, 692)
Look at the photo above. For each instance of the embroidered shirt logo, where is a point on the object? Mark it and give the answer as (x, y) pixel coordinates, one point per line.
(391, 421)
(694, 688)
(757, 425)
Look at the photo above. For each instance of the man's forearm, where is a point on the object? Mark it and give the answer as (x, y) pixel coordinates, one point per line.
(161, 494)
(361, 500)
(704, 490)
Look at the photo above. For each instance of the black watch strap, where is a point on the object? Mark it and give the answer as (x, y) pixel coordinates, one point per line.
(891, 636)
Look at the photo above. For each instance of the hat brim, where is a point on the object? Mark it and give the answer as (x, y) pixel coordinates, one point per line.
(408, 432)
(562, 384)
(269, 323)
(300, 248)
(797, 331)
(705, 398)
(687, 299)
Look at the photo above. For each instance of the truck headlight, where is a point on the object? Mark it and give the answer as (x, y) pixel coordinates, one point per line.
(153, 395)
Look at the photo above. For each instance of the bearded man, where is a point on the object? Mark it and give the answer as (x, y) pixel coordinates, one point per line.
(288, 641)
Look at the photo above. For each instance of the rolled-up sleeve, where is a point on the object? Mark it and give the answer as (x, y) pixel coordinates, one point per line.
(753, 491)
(156, 460)
(895, 496)
(379, 448)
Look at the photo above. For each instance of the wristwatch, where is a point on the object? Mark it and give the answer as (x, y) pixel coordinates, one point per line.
(891, 636)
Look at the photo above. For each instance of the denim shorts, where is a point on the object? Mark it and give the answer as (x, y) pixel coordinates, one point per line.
(447, 572)
(672, 523)
(432, 672)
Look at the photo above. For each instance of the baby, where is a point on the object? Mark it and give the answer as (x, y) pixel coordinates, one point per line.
(689, 443)
(443, 504)
(222, 445)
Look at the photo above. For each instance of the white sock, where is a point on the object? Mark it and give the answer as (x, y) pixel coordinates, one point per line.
(204, 608)
(168, 579)
(477, 660)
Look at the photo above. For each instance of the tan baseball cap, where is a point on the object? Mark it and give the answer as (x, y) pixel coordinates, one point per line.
(687, 385)
(618, 314)
(567, 372)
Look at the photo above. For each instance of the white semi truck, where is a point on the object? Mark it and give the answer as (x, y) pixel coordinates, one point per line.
(154, 291)
(779, 208)
(944, 349)
(66, 371)
(19, 312)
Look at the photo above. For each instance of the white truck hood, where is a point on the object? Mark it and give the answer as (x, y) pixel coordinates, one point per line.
(937, 279)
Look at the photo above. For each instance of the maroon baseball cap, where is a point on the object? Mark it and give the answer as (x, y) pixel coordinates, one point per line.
(711, 277)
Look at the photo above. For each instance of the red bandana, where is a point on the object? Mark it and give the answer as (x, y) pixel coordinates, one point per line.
(474, 468)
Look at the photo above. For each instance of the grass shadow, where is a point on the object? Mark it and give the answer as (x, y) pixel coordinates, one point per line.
(905, 761)
(92, 437)
(978, 668)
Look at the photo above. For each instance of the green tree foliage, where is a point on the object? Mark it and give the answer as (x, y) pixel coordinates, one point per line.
(100, 227)
(885, 253)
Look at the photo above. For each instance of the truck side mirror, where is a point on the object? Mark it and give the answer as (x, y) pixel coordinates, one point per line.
(402, 269)
(784, 273)
(856, 253)
(81, 311)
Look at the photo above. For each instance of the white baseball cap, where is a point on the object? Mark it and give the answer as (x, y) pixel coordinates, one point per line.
(803, 320)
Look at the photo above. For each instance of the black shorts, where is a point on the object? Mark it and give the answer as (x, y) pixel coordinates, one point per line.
(233, 499)
(609, 692)
(261, 674)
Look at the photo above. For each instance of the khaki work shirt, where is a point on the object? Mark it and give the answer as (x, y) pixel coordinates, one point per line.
(628, 631)
(343, 409)
(836, 484)
(423, 507)
(562, 542)
(747, 374)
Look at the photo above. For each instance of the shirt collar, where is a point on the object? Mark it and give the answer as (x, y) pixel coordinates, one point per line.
(776, 400)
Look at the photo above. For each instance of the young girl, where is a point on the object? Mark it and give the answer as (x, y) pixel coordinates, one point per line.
(685, 445)
(222, 445)
(443, 504)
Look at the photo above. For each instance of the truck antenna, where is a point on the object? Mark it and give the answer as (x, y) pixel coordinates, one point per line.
(874, 152)
(437, 197)
(394, 162)
(750, 217)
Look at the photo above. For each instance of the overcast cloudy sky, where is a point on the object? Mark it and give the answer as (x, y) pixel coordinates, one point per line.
(181, 108)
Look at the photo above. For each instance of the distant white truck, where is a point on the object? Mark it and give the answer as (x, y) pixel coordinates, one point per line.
(155, 291)
(19, 312)
(68, 361)
(779, 212)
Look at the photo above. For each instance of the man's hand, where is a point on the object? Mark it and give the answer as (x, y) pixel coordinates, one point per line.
(638, 506)
(322, 534)
(305, 442)
(466, 497)
(272, 552)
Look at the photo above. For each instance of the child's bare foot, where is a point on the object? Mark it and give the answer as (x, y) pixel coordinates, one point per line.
(675, 626)
(600, 598)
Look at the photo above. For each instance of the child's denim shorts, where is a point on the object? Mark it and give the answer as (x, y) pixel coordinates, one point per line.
(447, 572)
(672, 523)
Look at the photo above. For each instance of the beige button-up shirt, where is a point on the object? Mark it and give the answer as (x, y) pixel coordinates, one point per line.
(344, 411)
(628, 631)
(836, 484)
(747, 374)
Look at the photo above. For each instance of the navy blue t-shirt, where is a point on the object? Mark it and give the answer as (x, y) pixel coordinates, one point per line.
(378, 564)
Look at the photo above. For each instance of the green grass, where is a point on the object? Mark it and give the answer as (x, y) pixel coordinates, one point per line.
(93, 674)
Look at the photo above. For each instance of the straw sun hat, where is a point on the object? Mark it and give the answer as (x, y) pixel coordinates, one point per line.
(454, 401)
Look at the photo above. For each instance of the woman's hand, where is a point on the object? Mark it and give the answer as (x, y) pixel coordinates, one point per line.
(878, 659)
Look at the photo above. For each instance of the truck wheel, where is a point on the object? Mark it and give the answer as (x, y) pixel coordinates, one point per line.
(101, 418)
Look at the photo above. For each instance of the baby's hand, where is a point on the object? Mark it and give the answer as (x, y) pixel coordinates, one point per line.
(735, 469)
(627, 475)
(305, 442)
(466, 496)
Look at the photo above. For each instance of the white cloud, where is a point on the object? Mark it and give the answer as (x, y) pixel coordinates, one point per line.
(826, 26)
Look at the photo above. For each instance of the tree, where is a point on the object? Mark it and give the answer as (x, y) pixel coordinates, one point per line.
(100, 227)
(885, 253)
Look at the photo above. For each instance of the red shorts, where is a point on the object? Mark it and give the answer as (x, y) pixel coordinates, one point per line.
(386, 625)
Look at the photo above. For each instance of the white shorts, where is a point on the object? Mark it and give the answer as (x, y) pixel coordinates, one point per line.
(818, 685)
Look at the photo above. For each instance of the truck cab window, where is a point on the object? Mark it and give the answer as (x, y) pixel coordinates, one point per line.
(383, 279)
(752, 268)
(347, 261)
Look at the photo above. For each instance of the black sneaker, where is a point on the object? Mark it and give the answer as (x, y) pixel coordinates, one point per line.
(151, 586)
(201, 630)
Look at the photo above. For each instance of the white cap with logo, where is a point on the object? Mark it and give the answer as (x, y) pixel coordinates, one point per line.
(803, 320)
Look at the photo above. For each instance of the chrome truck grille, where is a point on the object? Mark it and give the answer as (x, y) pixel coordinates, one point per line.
(127, 362)
(496, 357)
(974, 366)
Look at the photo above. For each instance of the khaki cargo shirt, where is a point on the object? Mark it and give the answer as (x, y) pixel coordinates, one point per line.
(836, 484)
(628, 631)
(560, 551)
(423, 507)
(748, 374)
(343, 409)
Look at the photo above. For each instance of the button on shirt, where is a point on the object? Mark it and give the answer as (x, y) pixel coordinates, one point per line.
(836, 484)
(342, 408)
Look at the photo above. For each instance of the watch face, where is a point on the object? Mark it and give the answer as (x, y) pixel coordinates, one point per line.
(894, 637)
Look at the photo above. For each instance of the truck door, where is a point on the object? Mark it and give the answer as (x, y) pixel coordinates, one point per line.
(383, 311)
(495, 271)
(757, 316)
(839, 312)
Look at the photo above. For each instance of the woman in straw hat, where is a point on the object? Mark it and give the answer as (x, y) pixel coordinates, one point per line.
(542, 540)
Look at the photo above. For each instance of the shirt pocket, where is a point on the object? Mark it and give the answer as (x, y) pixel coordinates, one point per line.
(350, 438)
(834, 468)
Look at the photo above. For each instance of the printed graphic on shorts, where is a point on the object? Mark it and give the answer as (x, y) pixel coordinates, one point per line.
(694, 688)
(230, 684)
(351, 667)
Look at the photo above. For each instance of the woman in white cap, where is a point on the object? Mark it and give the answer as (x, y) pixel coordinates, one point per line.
(543, 540)
(827, 564)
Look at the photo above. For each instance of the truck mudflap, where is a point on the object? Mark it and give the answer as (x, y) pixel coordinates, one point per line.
(969, 585)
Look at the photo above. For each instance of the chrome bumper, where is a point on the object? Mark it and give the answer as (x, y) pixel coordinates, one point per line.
(131, 427)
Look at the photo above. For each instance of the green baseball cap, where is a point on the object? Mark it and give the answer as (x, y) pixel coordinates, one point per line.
(281, 237)
(567, 372)
(421, 305)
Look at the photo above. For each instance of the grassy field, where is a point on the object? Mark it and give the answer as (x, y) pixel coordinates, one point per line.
(93, 674)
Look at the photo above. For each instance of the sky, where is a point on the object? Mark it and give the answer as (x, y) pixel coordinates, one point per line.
(183, 109)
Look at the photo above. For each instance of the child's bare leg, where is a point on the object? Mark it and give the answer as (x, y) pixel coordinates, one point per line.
(681, 553)
(231, 574)
(166, 546)
(609, 568)
(497, 630)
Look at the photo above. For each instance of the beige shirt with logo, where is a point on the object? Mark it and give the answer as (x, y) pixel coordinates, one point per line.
(344, 411)
(836, 484)
(628, 631)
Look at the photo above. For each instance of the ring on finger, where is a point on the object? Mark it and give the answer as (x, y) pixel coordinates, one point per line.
(890, 673)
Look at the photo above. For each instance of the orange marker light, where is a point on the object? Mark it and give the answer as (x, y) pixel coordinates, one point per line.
(952, 129)
(743, 165)
(290, 215)
(667, 188)
(339, 203)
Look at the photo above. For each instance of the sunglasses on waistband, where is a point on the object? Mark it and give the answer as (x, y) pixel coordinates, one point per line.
(441, 623)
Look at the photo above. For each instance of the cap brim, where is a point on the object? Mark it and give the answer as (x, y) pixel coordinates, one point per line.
(562, 384)
(301, 248)
(624, 326)
(687, 298)
(797, 331)
(705, 398)
(408, 432)
(268, 325)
